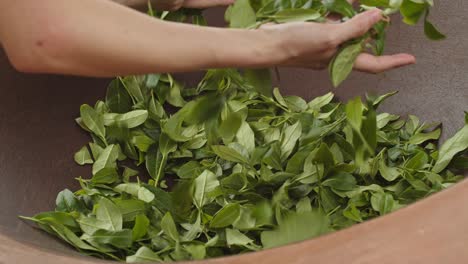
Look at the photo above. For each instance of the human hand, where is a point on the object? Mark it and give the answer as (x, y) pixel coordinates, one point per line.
(312, 45)
(172, 5)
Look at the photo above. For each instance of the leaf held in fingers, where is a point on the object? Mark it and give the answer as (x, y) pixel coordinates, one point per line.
(342, 64)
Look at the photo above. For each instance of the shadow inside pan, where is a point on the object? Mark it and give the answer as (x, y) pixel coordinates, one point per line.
(38, 135)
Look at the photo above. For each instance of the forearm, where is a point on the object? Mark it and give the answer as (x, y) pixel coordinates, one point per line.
(101, 38)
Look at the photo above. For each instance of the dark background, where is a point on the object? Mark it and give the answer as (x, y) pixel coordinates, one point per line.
(38, 135)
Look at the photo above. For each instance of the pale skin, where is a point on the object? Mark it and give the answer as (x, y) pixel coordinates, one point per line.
(101, 38)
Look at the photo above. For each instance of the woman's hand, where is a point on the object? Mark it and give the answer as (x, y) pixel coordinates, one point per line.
(172, 5)
(312, 45)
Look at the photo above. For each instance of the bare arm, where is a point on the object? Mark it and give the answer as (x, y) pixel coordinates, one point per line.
(102, 38)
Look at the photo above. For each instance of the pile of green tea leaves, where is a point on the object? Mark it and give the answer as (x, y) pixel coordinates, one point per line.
(232, 166)
(221, 169)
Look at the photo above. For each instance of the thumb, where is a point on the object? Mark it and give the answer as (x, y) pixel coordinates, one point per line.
(358, 25)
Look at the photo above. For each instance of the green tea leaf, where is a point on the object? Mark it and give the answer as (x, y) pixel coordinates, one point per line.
(296, 15)
(342, 181)
(155, 162)
(83, 157)
(430, 30)
(341, 7)
(342, 64)
(352, 213)
(117, 98)
(230, 126)
(450, 148)
(296, 227)
(93, 121)
(133, 88)
(67, 202)
(423, 137)
(106, 159)
(90, 224)
(205, 183)
(169, 228)
(174, 97)
(108, 212)
(105, 176)
(145, 195)
(229, 154)
(67, 235)
(235, 238)
(354, 110)
(289, 139)
(246, 137)
(120, 239)
(241, 14)
(128, 120)
(388, 173)
(412, 11)
(318, 102)
(166, 145)
(260, 80)
(143, 254)
(382, 202)
(226, 216)
(204, 108)
(130, 208)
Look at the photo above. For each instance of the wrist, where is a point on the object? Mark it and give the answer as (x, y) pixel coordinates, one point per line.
(270, 47)
(249, 48)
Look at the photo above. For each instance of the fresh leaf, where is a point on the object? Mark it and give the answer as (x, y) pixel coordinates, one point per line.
(342, 64)
(226, 216)
(83, 156)
(450, 148)
(93, 120)
(296, 227)
(108, 212)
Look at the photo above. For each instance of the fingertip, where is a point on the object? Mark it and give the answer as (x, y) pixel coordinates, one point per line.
(408, 58)
(375, 15)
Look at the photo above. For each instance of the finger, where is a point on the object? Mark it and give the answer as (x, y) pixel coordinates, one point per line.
(207, 3)
(376, 64)
(358, 25)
